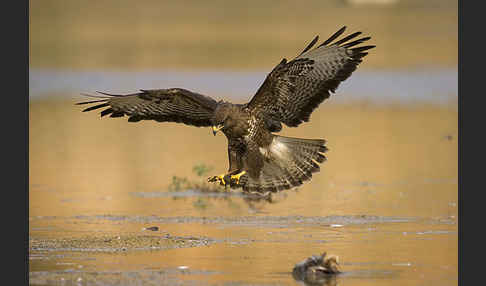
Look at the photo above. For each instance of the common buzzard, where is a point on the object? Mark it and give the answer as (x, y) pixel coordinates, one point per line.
(259, 161)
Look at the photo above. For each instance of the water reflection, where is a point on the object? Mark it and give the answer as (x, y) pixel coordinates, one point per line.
(311, 280)
(182, 188)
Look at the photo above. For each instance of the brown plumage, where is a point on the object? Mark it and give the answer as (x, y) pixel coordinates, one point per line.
(317, 269)
(259, 161)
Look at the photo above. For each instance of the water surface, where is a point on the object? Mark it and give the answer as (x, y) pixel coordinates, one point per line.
(385, 201)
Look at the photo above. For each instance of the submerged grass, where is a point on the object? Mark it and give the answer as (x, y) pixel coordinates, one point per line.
(183, 184)
(200, 184)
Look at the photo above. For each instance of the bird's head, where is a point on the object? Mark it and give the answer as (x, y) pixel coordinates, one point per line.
(222, 118)
(216, 128)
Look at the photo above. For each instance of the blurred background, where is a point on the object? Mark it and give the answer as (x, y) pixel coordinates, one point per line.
(391, 127)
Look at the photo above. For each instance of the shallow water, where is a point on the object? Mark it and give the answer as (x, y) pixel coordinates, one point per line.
(251, 251)
(385, 201)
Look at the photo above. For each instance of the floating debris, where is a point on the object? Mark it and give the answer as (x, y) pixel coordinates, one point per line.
(402, 264)
(152, 228)
(316, 269)
(448, 137)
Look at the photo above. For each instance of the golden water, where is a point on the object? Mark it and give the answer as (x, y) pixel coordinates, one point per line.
(90, 176)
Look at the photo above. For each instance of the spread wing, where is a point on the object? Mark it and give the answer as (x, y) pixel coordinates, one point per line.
(294, 89)
(163, 105)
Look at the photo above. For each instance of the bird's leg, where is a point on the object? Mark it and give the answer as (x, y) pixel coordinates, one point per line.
(237, 177)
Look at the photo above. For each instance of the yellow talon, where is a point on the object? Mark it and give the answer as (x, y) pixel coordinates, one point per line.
(219, 178)
(237, 177)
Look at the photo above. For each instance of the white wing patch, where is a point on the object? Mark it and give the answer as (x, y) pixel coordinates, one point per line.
(276, 150)
(279, 149)
(263, 151)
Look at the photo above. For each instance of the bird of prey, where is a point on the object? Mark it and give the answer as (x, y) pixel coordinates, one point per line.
(259, 160)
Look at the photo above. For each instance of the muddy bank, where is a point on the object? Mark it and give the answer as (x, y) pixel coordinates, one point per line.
(107, 278)
(110, 243)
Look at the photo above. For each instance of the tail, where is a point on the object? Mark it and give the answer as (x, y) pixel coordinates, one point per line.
(288, 163)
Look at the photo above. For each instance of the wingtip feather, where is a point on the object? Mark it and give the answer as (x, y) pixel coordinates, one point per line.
(363, 48)
(91, 101)
(347, 38)
(334, 36)
(309, 46)
(95, 107)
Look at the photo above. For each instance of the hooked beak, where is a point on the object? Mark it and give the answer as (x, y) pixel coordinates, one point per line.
(217, 128)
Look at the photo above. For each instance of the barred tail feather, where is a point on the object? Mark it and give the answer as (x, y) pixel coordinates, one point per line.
(288, 163)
